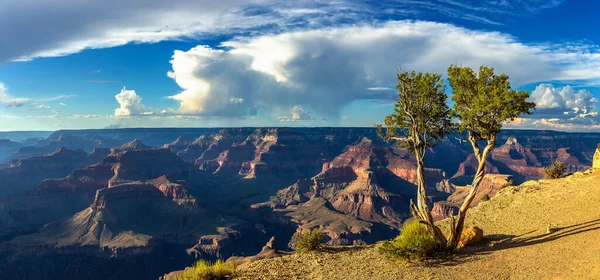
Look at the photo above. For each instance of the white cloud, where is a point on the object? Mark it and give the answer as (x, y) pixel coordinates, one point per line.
(236, 100)
(45, 117)
(62, 104)
(62, 27)
(85, 116)
(558, 124)
(519, 123)
(297, 113)
(10, 101)
(565, 99)
(380, 89)
(560, 108)
(326, 69)
(56, 98)
(130, 104)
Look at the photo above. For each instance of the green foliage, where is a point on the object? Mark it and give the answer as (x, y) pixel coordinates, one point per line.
(421, 114)
(413, 244)
(555, 170)
(204, 270)
(484, 101)
(308, 241)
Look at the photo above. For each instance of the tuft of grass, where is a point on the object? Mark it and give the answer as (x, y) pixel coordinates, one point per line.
(308, 241)
(205, 270)
(555, 170)
(413, 244)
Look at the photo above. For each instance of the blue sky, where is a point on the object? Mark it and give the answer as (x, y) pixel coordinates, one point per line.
(76, 64)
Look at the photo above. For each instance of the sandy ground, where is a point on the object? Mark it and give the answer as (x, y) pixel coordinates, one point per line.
(517, 244)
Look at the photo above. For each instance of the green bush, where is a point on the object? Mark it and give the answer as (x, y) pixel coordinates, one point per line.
(556, 170)
(413, 244)
(308, 241)
(204, 270)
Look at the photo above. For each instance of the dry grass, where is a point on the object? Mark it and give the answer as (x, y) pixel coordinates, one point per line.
(413, 244)
(204, 270)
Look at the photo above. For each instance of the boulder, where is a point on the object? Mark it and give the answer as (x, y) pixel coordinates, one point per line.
(470, 235)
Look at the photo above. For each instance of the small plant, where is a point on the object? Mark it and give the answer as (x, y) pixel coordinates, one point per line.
(308, 241)
(485, 197)
(413, 244)
(556, 170)
(204, 270)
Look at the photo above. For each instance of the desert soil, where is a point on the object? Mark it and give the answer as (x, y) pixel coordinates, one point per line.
(516, 246)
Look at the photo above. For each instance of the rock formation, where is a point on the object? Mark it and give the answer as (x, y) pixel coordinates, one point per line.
(364, 187)
(24, 174)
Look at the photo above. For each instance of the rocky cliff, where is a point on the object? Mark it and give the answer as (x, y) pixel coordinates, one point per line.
(24, 174)
(368, 185)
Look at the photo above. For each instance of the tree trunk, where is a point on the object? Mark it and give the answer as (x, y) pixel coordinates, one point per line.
(457, 223)
(421, 210)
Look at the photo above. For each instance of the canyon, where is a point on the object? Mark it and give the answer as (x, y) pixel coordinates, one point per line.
(138, 203)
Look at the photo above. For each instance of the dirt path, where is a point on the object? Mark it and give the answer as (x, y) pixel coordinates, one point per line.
(517, 246)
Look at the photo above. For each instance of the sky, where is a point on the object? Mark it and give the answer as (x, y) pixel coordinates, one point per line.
(71, 64)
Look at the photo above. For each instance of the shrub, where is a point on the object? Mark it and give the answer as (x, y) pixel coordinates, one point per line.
(485, 197)
(556, 170)
(413, 244)
(204, 270)
(308, 241)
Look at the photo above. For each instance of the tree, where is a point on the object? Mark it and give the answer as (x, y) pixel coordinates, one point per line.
(421, 118)
(483, 103)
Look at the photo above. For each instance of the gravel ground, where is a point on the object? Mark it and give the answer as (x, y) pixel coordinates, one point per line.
(517, 245)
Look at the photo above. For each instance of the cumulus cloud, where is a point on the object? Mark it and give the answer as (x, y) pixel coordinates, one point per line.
(215, 84)
(561, 108)
(562, 100)
(42, 106)
(130, 104)
(297, 113)
(327, 69)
